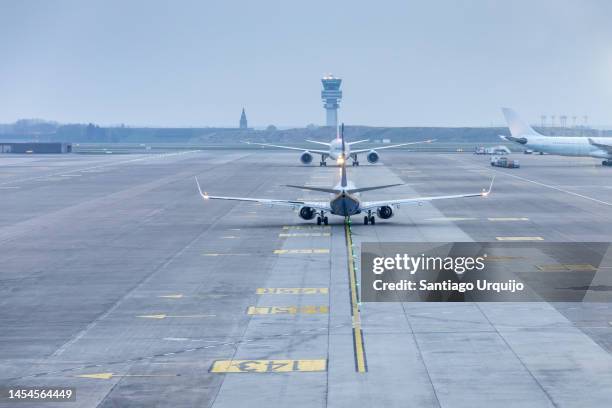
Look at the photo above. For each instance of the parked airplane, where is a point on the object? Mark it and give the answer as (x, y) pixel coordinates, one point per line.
(525, 135)
(338, 150)
(345, 200)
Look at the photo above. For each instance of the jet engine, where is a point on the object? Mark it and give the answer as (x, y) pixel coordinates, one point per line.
(306, 158)
(307, 213)
(372, 157)
(384, 212)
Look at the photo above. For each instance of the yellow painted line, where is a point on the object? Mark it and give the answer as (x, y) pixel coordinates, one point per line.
(108, 376)
(503, 258)
(267, 366)
(267, 310)
(304, 234)
(165, 316)
(360, 358)
(519, 238)
(567, 268)
(301, 251)
(292, 291)
(176, 296)
(508, 219)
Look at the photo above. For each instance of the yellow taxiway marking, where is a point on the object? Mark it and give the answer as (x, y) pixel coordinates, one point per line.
(176, 296)
(292, 291)
(503, 258)
(508, 219)
(519, 238)
(567, 268)
(267, 366)
(305, 227)
(108, 376)
(304, 234)
(229, 237)
(358, 344)
(301, 251)
(266, 310)
(165, 316)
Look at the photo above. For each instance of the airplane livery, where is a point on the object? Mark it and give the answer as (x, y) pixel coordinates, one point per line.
(525, 135)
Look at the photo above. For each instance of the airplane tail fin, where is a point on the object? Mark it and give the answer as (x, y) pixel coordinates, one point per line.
(518, 127)
(343, 180)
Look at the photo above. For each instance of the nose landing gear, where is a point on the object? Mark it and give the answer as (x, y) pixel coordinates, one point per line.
(322, 219)
(369, 219)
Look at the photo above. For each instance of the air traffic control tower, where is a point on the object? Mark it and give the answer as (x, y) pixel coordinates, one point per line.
(331, 95)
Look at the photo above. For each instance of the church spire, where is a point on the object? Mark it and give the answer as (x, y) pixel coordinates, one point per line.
(243, 120)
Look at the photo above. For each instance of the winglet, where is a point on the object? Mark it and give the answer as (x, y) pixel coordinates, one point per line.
(204, 195)
(485, 193)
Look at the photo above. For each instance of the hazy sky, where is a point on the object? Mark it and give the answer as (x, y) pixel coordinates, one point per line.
(404, 63)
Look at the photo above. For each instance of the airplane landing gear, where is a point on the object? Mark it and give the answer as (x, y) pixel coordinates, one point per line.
(369, 219)
(322, 219)
(322, 163)
(355, 163)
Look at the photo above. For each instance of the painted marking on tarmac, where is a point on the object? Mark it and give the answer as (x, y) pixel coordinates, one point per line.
(268, 366)
(538, 183)
(306, 227)
(508, 219)
(165, 316)
(304, 234)
(519, 238)
(229, 237)
(268, 310)
(503, 258)
(108, 376)
(70, 175)
(292, 291)
(9, 188)
(301, 251)
(358, 342)
(567, 268)
(176, 296)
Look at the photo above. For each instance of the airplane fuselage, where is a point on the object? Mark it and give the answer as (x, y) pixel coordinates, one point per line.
(335, 149)
(565, 146)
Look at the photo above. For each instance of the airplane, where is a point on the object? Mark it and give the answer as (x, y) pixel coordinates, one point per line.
(339, 150)
(525, 135)
(345, 200)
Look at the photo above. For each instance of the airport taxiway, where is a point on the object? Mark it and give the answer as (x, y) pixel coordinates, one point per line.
(117, 279)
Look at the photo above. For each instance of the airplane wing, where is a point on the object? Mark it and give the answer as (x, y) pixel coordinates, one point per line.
(357, 141)
(370, 205)
(325, 152)
(295, 204)
(604, 147)
(321, 143)
(390, 146)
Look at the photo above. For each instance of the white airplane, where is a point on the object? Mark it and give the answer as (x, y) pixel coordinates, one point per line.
(525, 135)
(345, 200)
(338, 150)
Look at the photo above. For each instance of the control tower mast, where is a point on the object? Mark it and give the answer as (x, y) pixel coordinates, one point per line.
(331, 96)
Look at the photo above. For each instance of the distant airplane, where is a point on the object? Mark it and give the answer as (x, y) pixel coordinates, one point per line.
(345, 200)
(525, 135)
(337, 152)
